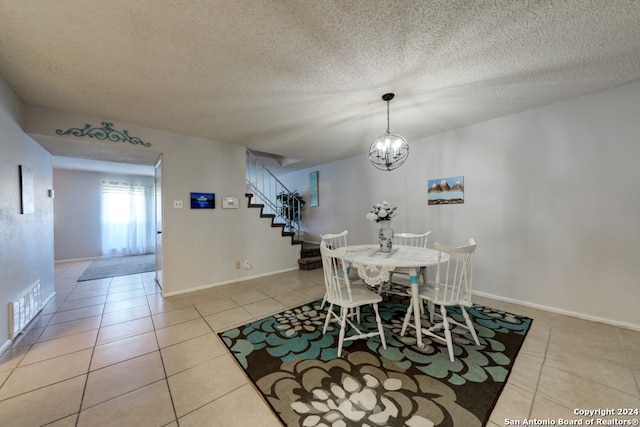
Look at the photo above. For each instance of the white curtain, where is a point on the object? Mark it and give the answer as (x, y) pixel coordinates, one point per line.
(128, 226)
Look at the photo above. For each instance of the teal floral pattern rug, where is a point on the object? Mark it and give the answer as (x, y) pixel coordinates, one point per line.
(296, 368)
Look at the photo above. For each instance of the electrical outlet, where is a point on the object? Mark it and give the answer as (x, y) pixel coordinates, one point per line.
(237, 264)
(177, 204)
(247, 265)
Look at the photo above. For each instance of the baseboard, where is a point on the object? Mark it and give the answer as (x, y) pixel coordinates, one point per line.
(5, 346)
(61, 261)
(213, 285)
(45, 302)
(563, 312)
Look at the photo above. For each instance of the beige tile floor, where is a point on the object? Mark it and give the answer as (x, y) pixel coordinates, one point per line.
(114, 352)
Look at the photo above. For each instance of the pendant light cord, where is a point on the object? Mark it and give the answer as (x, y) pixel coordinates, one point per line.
(387, 116)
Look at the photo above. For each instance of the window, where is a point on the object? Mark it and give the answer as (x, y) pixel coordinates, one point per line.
(127, 218)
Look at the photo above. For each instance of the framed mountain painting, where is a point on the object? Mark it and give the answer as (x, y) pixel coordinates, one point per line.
(446, 191)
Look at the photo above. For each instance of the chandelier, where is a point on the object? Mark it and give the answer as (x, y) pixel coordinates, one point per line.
(389, 151)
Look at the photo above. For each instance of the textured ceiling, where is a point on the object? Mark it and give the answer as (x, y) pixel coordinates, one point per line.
(302, 79)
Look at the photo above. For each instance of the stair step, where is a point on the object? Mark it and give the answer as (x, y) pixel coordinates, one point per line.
(310, 263)
(309, 253)
(274, 224)
(309, 250)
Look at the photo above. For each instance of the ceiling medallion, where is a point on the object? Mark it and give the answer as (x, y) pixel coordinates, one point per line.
(391, 150)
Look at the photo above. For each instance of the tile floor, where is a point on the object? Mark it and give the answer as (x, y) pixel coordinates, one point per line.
(114, 352)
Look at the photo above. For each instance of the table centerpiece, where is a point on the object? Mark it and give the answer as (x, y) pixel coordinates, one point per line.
(383, 213)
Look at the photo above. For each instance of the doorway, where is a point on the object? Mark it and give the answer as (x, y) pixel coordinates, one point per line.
(78, 208)
(158, 197)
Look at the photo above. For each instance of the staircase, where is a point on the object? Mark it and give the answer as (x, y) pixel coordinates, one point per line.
(272, 197)
(310, 258)
(262, 193)
(274, 223)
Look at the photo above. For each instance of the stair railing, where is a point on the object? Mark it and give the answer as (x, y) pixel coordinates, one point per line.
(266, 188)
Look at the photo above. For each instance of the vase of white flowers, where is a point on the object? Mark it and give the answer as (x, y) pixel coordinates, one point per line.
(383, 213)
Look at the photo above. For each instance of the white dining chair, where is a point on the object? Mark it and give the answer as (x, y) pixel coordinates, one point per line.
(336, 241)
(451, 288)
(348, 299)
(411, 239)
(407, 239)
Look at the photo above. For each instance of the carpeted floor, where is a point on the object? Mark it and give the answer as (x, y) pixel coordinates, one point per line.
(119, 266)
(296, 369)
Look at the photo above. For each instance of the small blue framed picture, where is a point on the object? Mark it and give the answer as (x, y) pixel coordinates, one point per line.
(203, 201)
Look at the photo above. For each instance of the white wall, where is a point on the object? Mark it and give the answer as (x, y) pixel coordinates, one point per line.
(551, 196)
(200, 247)
(26, 240)
(77, 211)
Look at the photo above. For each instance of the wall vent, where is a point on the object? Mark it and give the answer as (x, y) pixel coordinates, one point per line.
(24, 309)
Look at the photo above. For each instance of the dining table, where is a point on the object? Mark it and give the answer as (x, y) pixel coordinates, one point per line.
(374, 266)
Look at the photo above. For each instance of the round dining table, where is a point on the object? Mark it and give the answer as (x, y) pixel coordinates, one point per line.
(374, 266)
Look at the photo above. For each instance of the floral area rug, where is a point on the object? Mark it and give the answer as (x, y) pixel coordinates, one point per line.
(296, 368)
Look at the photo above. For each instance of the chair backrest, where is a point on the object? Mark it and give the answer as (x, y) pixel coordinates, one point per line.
(335, 241)
(411, 239)
(336, 279)
(454, 277)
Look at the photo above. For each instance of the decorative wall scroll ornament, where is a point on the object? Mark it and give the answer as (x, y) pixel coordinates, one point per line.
(105, 132)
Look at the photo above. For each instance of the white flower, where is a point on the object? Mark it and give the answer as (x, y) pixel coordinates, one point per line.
(382, 212)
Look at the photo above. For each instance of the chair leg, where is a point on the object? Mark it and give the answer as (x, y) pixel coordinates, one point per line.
(432, 308)
(380, 328)
(382, 287)
(328, 318)
(447, 331)
(470, 325)
(344, 312)
(324, 301)
(423, 272)
(407, 319)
